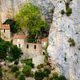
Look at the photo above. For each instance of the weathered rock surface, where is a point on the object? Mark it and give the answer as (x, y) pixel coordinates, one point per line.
(64, 56)
(10, 7)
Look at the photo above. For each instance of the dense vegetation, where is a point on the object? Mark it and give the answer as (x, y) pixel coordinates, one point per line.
(31, 19)
(71, 42)
(1, 75)
(68, 10)
(8, 51)
(13, 25)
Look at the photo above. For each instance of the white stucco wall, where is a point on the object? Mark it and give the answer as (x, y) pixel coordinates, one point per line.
(35, 54)
(19, 42)
(31, 49)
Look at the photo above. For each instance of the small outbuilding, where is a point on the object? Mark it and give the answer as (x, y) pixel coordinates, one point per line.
(5, 32)
(19, 40)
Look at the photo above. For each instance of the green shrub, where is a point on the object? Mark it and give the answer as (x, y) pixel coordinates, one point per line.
(17, 74)
(61, 77)
(68, 11)
(42, 73)
(31, 39)
(1, 75)
(47, 72)
(67, 5)
(78, 48)
(8, 51)
(39, 75)
(14, 69)
(16, 62)
(21, 76)
(13, 25)
(29, 62)
(62, 12)
(65, 58)
(71, 42)
(57, 77)
(27, 70)
(40, 66)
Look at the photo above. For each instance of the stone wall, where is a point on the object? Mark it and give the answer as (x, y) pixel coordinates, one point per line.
(6, 35)
(34, 51)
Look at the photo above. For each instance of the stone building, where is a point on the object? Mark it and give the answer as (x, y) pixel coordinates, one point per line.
(33, 48)
(44, 44)
(5, 32)
(30, 50)
(19, 40)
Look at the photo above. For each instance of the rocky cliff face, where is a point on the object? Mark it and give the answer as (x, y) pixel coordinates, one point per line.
(64, 36)
(64, 39)
(8, 8)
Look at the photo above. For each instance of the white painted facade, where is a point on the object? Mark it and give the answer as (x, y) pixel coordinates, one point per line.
(5, 32)
(19, 42)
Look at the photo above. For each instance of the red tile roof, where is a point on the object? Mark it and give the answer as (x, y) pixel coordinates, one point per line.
(19, 36)
(5, 26)
(44, 39)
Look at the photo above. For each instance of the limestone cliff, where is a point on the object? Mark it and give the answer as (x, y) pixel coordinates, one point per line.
(8, 8)
(64, 39)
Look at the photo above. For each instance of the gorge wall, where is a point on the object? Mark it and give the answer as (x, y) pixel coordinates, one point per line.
(64, 31)
(64, 39)
(8, 8)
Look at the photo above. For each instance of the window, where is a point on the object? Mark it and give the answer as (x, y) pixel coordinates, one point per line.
(34, 46)
(19, 45)
(43, 53)
(4, 30)
(27, 46)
